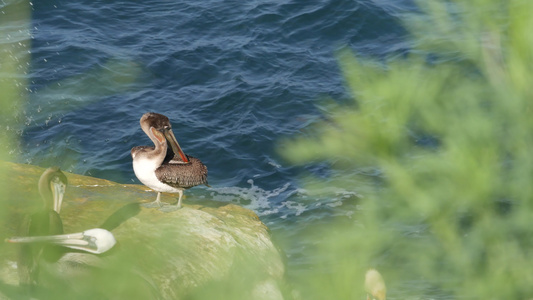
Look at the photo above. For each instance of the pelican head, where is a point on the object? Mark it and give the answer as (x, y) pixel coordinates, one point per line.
(52, 185)
(95, 240)
(159, 129)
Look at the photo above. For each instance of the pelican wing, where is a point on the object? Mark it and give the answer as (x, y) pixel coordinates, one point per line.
(183, 175)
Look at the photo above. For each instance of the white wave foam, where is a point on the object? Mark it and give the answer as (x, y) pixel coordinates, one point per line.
(260, 200)
(254, 197)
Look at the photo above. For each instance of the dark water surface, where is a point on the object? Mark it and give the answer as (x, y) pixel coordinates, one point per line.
(234, 77)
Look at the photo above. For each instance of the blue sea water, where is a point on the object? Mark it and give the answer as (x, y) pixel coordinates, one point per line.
(234, 77)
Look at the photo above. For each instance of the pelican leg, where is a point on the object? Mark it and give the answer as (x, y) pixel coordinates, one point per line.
(158, 199)
(156, 203)
(179, 199)
(170, 208)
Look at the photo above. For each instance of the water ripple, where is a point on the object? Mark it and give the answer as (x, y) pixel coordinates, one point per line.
(234, 77)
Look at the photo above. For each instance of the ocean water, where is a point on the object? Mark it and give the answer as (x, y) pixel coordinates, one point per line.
(234, 77)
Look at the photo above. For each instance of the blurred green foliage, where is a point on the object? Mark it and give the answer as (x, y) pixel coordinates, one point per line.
(14, 63)
(448, 130)
(448, 216)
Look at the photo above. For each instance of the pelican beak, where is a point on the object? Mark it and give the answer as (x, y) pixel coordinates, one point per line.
(95, 240)
(58, 190)
(174, 144)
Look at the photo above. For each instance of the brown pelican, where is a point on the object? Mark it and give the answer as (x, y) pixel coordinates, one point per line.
(42, 239)
(163, 168)
(46, 221)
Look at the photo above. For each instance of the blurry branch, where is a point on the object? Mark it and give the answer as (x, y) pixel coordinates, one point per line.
(454, 212)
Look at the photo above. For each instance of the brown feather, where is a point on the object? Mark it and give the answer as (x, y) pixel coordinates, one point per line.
(183, 175)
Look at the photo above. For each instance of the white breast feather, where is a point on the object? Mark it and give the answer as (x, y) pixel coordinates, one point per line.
(145, 171)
